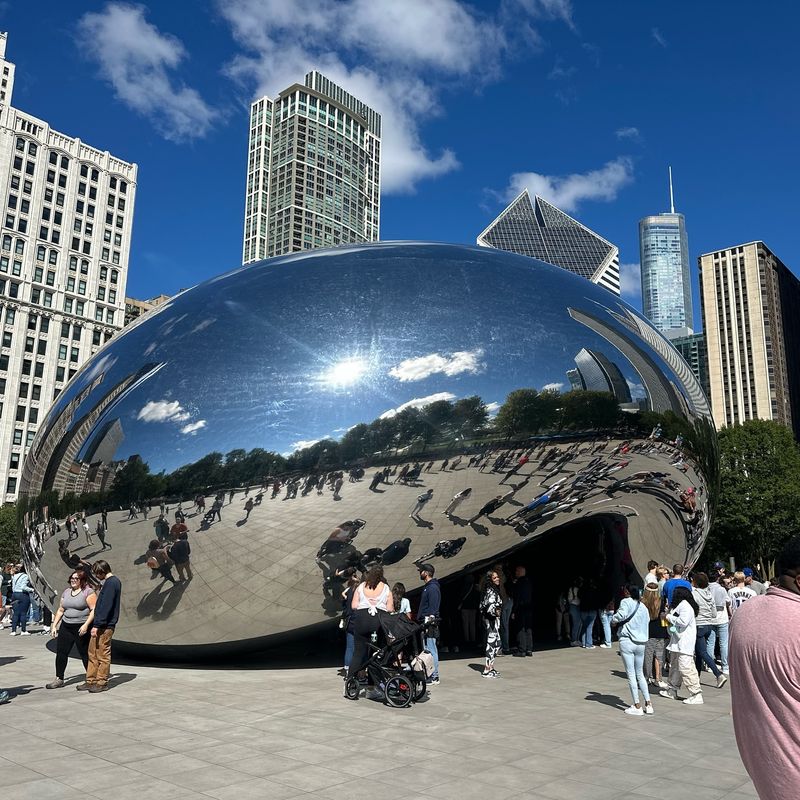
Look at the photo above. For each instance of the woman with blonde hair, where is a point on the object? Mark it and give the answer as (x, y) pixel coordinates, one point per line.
(655, 649)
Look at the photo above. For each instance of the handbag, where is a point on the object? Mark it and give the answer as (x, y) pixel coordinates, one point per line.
(423, 663)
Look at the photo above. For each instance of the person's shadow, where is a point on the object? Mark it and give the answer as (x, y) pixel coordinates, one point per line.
(457, 520)
(481, 530)
(422, 523)
(607, 700)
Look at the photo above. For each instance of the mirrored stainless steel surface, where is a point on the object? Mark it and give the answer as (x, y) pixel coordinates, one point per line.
(308, 415)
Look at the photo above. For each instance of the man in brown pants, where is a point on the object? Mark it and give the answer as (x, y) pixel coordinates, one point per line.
(106, 616)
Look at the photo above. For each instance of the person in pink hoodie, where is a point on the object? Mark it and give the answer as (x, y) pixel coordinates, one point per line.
(764, 658)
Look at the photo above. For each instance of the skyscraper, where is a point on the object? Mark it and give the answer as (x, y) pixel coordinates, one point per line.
(666, 281)
(750, 301)
(67, 214)
(597, 373)
(313, 171)
(540, 230)
(695, 353)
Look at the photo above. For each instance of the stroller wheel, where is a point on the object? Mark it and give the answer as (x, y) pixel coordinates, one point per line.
(399, 691)
(420, 688)
(352, 688)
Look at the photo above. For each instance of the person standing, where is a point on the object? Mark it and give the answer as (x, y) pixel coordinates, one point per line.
(683, 636)
(634, 620)
(765, 682)
(522, 593)
(656, 648)
(21, 591)
(429, 607)
(106, 616)
(421, 501)
(457, 500)
(72, 624)
(706, 618)
(740, 593)
(719, 630)
(751, 583)
(179, 554)
(491, 608)
(674, 582)
(588, 606)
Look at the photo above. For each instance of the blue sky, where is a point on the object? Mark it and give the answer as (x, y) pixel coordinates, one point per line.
(586, 102)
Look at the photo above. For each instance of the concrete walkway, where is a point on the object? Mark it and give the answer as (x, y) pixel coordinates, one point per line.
(551, 727)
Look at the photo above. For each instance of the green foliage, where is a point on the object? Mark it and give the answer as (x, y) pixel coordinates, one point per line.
(527, 411)
(586, 410)
(759, 508)
(9, 539)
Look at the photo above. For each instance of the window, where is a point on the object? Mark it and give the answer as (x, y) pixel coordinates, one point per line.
(41, 347)
(26, 366)
(114, 275)
(73, 263)
(112, 296)
(29, 344)
(11, 314)
(53, 159)
(14, 462)
(40, 253)
(101, 292)
(36, 392)
(73, 354)
(17, 436)
(38, 274)
(103, 273)
(79, 306)
(6, 242)
(52, 258)
(95, 338)
(84, 267)
(3, 263)
(21, 413)
(65, 330)
(48, 299)
(19, 247)
(32, 320)
(28, 442)
(59, 374)
(44, 325)
(11, 486)
(62, 352)
(13, 289)
(33, 416)
(38, 371)
(7, 338)
(68, 305)
(23, 389)
(77, 330)
(70, 284)
(109, 318)
(81, 287)
(51, 278)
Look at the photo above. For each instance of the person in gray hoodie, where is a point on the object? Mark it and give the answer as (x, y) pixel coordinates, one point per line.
(706, 619)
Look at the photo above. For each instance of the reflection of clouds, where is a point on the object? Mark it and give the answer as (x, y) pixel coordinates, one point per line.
(163, 411)
(493, 408)
(418, 402)
(552, 387)
(100, 366)
(417, 369)
(301, 444)
(201, 326)
(193, 427)
(637, 390)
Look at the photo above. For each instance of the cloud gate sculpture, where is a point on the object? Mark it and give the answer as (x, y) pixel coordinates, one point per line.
(290, 416)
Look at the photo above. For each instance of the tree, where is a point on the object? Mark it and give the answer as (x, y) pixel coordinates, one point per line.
(587, 410)
(526, 411)
(470, 415)
(9, 536)
(759, 503)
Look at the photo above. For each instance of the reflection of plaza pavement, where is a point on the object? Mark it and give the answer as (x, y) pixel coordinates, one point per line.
(260, 576)
(547, 730)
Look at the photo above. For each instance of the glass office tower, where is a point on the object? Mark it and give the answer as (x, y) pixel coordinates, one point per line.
(666, 286)
(540, 230)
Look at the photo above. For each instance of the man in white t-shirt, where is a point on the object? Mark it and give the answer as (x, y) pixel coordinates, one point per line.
(651, 573)
(739, 593)
(719, 630)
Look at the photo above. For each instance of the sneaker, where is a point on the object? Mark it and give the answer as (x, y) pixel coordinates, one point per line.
(574, 644)
(649, 710)
(490, 674)
(82, 687)
(725, 672)
(694, 700)
(4, 697)
(433, 681)
(56, 684)
(634, 712)
(103, 687)
(495, 673)
(25, 633)
(529, 653)
(518, 654)
(13, 633)
(662, 685)
(588, 647)
(722, 680)
(670, 694)
(608, 647)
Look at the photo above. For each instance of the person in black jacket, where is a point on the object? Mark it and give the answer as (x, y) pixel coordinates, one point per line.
(106, 616)
(429, 606)
(522, 594)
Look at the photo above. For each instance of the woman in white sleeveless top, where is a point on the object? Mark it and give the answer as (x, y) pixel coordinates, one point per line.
(371, 595)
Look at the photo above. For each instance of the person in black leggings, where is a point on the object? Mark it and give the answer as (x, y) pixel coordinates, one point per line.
(72, 623)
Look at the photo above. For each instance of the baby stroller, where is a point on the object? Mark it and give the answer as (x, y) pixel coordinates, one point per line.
(399, 668)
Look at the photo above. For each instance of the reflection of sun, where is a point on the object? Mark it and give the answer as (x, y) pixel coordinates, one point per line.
(344, 372)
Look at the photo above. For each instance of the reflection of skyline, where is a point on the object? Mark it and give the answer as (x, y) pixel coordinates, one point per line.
(597, 373)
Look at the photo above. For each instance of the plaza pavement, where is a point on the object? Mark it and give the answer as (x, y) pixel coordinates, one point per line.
(551, 728)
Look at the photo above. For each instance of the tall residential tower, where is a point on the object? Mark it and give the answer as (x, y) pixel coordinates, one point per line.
(313, 171)
(66, 211)
(540, 230)
(666, 281)
(750, 301)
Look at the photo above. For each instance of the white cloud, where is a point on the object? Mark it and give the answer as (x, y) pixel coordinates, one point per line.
(658, 37)
(560, 72)
(417, 369)
(628, 133)
(193, 427)
(163, 411)
(418, 402)
(568, 191)
(393, 55)
(552, 387)
(301, 444)
(630, 280)
(493, 408)
(137, 60)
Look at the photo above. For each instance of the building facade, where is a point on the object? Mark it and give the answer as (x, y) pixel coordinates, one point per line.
(750, 300)
(313, 171)
(695, 353)
(666, 281)
(540, 230)
(67, 215)
(597, 373)
(136, 308)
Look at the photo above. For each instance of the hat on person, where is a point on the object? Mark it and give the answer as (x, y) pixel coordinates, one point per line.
(427, 568)
(748, 573)
(719, 565)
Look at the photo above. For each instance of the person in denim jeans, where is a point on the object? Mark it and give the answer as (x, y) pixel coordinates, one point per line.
(589, 607)
(574, 607)
(633, 635)
(606, 615)
(719, 630)
(706, 618)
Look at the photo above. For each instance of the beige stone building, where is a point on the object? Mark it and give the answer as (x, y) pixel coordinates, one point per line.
(136, 308)
(751, 316)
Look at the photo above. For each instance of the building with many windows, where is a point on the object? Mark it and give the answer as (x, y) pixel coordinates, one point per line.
(666, 281)
(136, 308)
(750, 300)
(540, 230)
(66, 211)
(695, 354)
(313, 171)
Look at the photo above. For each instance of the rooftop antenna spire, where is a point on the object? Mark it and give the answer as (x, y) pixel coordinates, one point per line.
(671, 198)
